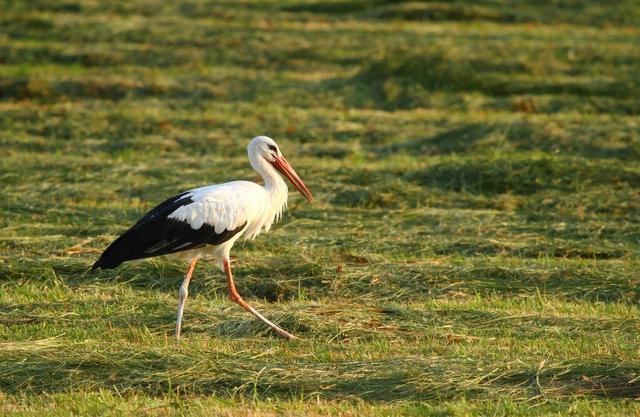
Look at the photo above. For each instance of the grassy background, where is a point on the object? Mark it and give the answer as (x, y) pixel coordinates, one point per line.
(474, 245)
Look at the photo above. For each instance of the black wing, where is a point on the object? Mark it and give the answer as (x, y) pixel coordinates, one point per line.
(155, 234)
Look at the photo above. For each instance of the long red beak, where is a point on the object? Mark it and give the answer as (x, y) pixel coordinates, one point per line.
(287, 170)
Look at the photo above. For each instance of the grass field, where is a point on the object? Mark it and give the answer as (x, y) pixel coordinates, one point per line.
(473, 250)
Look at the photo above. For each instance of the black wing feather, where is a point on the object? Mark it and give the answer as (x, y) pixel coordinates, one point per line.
(155, 234)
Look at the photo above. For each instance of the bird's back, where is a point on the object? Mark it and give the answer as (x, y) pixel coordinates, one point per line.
(203, 216)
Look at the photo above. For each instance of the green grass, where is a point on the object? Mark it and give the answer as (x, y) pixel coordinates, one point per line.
(473, 249)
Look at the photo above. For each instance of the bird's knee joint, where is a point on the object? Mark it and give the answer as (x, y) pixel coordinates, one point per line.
(235, 297)
(184, 292)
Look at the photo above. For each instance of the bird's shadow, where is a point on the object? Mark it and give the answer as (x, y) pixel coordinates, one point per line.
(157, 314)
(272, 282)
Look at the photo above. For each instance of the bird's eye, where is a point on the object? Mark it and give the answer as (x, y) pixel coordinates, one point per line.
(273, 148)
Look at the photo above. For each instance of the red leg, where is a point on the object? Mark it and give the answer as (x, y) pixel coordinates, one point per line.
(236, 298)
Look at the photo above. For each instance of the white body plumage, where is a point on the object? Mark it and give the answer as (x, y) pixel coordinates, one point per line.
(207, 221)
(230, 205)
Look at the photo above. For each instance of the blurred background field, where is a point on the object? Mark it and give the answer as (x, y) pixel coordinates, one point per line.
(474, 246)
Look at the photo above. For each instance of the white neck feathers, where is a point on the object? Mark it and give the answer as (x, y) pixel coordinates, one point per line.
(277, 191)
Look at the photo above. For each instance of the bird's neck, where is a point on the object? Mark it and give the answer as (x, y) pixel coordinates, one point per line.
(271, 177)
(275, 186)
(277, 189)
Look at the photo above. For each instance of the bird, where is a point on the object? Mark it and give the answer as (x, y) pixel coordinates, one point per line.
(207, 221)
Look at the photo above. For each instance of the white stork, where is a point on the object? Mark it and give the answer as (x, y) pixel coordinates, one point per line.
(207, 221)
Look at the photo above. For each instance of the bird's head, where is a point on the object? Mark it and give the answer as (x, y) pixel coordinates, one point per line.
(263, 147)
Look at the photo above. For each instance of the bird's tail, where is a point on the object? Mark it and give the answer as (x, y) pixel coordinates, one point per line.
(117, 252)
(105, 263)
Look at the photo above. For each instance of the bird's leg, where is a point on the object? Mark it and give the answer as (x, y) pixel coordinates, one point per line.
(184, 293)
(235, 297)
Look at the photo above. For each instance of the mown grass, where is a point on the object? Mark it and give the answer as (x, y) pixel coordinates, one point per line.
(473, 248)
